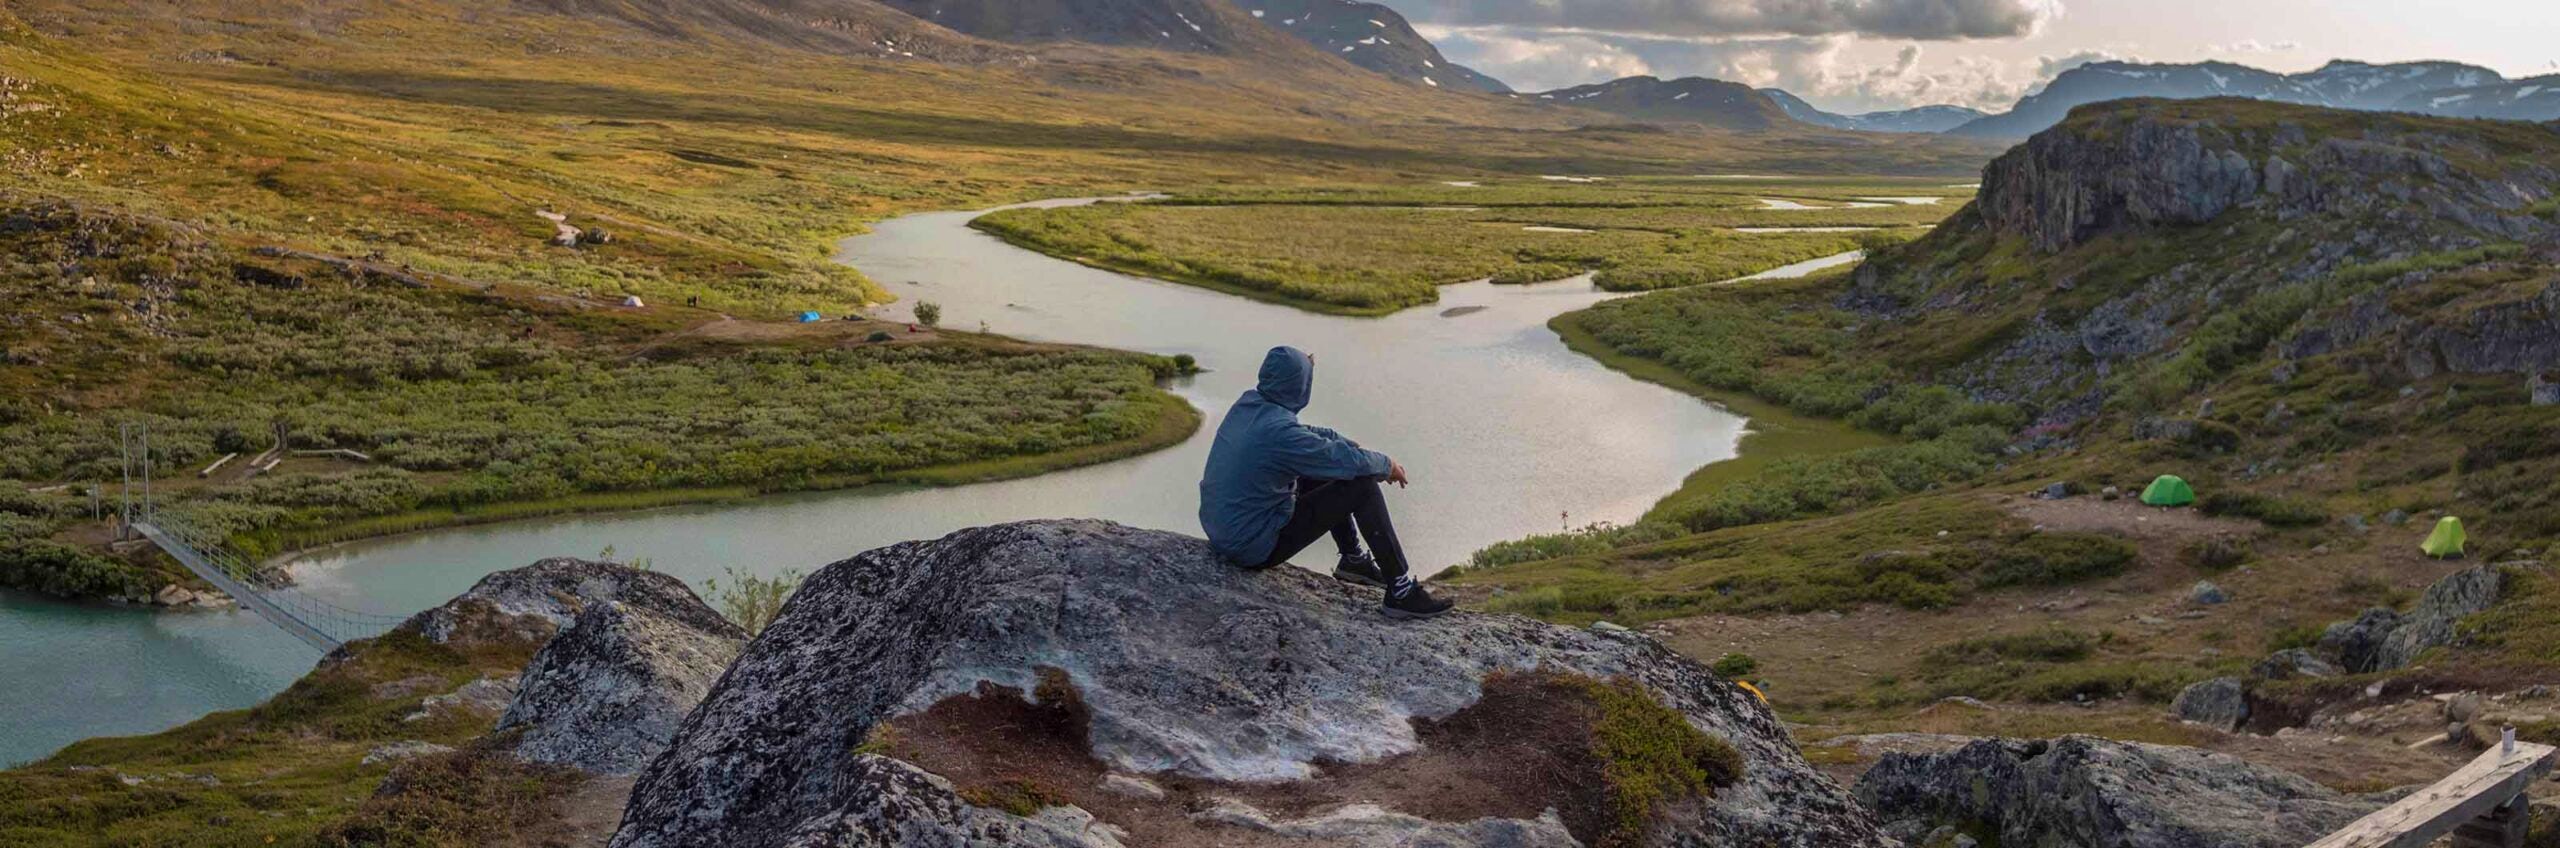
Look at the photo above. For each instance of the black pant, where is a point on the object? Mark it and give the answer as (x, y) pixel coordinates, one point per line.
(1348, 510)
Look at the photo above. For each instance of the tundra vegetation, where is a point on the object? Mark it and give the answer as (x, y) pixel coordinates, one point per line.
(2321, 439)
(1374, 249)
(352, 230)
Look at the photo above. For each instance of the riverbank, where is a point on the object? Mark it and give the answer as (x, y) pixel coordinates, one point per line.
(1175, 422)
(1776, 433)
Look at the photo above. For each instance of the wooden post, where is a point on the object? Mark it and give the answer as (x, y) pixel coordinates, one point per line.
(2504, 827)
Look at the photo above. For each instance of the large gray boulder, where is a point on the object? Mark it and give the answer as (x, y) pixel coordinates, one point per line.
(1186, 669)
(606, 694)
(2088, 792)
(2221, 703)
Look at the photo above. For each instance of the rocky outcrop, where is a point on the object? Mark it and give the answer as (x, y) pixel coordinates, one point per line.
(2381, 639)
(521, 609)
(2291, 663)
(2221, 703)
(606, 694)
(2062, 188)
(2356, 643)
(2430, 622)
(1185, 669)
(2099, 793)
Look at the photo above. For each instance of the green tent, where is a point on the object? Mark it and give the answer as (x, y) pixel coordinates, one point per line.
(2446, 541)
(2168, 490)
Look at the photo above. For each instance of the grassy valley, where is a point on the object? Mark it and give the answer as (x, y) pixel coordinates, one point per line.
(346, 223)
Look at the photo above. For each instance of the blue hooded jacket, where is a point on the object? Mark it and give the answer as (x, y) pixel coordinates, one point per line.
(1261, 451)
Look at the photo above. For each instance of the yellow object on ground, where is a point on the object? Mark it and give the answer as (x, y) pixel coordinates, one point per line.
(2445, 540)
(1754, 690)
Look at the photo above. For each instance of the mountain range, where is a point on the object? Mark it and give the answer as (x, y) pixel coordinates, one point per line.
(1921, 119)
(2435, 88)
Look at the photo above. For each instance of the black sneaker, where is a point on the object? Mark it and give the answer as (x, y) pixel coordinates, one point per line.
(1409, 601)
(1363, 569)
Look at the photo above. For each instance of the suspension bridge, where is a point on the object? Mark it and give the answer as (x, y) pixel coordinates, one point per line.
(318, 623)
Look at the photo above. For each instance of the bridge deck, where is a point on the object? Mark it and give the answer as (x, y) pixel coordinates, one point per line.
(196, 562)
(2483, 785)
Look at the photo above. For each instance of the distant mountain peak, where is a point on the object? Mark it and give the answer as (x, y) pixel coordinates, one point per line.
(1370, 36)
(1697, 100)
(2433, 86)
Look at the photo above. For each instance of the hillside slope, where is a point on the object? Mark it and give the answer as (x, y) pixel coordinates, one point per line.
(1207, 26)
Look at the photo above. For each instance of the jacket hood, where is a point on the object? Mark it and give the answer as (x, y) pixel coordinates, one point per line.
(1288, 378)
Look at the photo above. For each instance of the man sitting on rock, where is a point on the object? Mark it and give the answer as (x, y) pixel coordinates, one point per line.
(1274, 485)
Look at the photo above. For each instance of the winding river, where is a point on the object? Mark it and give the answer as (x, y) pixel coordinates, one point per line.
(1506, 431)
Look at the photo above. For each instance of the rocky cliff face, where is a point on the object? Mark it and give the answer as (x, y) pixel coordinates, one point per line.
(2147, 167)
(2099, 793)
(1161, 665)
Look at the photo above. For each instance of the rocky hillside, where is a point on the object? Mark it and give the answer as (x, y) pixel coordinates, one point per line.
(1921, 119)
(2449, 88)
(1204, 26)
(1371, 36)
(2146, 249)
(1688, 100)
(1086, 684)
(844, 27)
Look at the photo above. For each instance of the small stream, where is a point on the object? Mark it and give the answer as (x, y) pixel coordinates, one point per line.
(1507, 433)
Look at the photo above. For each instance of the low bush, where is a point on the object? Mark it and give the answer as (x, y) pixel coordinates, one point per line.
(2052, 559)
(2268, 509)
(2215, 553)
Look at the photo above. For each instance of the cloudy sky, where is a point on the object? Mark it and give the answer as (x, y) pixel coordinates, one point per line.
(1859, 55)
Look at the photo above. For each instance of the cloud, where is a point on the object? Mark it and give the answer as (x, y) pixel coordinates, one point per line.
(2048, 67)
(1930, 20)
(2251, 45)
(1824, 69)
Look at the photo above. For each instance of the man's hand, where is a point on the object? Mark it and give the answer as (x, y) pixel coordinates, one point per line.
(1395, 474)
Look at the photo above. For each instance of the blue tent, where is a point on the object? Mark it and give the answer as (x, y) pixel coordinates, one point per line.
(809, 317)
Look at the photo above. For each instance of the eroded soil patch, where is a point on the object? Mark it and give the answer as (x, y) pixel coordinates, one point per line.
(1534, 742)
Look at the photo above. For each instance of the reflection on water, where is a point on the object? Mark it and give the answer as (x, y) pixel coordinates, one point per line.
(1506, 432)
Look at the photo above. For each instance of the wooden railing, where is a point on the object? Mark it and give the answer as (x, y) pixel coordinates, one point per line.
(2481, 805)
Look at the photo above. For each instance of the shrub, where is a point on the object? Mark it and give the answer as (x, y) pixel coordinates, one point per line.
(1736, 666)
(2268, 509)
(2215, 553)
(1592, 539)
(2050, 559)
(2048, 645)
(752, 601)
(1650, 757)
(928, 313)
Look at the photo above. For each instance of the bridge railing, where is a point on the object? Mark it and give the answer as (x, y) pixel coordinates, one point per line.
(319, 623)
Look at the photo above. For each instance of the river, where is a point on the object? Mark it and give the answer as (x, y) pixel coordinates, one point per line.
(1506, 432)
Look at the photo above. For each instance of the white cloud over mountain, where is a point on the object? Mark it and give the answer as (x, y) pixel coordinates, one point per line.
(1804, 46)
(1911, 19)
